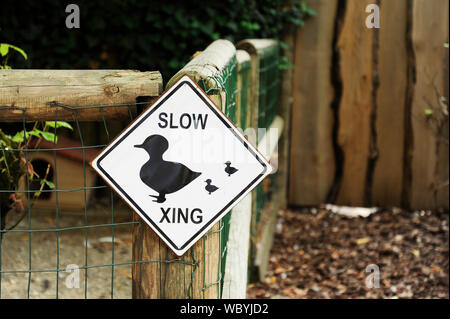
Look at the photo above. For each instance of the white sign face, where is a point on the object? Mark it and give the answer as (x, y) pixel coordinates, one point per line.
(182, 165)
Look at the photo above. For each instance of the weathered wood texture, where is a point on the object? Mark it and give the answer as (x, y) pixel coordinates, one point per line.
(429, 165)
(284, 111)
(33, 90)
(243, 90)
(312, 159)
(266, 227)
(255, 48)
(387, 151)
(208, 64)
(387, 187)
(261, 232)
(196, 274)
(355, 47)
(235, 278)
(146, 252)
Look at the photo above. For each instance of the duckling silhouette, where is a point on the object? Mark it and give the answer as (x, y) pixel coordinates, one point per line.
(163, 176)
(230, 169)
(210, 188)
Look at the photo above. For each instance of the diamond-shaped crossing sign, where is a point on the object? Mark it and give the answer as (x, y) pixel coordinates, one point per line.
(181, 165)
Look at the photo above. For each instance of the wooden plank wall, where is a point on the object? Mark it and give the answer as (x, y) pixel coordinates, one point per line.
(429, 32)
(360, 135)
(312, 156)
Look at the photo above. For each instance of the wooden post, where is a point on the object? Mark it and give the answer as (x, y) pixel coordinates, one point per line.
(242, 111)
(261, 233)
(266, 228)
(35, 90)
(196, 274)
(285, 111)
(255, 48)
(235, 280)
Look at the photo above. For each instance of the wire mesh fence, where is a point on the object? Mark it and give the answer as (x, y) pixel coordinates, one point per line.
(269, 87)
(266, 74)
(65, 234)
(38, 268)
(226, 82)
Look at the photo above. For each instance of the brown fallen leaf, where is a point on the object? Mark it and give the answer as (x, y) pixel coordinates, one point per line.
(363, 240)
(416, 252)
(435, 269)
(279, 270)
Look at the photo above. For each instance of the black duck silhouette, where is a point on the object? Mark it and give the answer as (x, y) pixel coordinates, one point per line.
(230, 169)
(163, 176)
(209, 187)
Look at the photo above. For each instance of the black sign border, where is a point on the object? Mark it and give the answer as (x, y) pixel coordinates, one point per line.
(140, 120)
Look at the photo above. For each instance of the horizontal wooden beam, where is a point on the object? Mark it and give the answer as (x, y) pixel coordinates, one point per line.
(73, 94)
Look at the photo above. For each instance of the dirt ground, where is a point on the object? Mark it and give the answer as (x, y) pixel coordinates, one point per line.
(72, 250)
(318, 254)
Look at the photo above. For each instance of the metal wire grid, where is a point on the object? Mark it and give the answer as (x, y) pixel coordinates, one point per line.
(225, 81)
(269, 88)
(245, 79)
(26, 153)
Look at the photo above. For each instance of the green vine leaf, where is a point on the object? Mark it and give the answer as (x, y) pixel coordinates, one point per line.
(48, 136)
(4, 50)
(59, 124)
(48, 183)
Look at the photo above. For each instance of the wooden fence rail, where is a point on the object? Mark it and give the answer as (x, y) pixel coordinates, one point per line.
(41, 92)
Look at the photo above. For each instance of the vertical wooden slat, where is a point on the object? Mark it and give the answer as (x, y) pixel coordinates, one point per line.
(390, 112)
(355, 46)
(429, 166)
(172, 274)
(194, 273)
(145, 248)
(212, 263)
(235, 277)
(312, 157)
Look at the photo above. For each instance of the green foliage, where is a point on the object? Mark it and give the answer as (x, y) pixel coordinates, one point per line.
(21, 136)
(144, 35)
(14, 164)
(5, 50)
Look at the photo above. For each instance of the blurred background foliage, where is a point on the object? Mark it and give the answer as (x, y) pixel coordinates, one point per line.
(136, 34)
